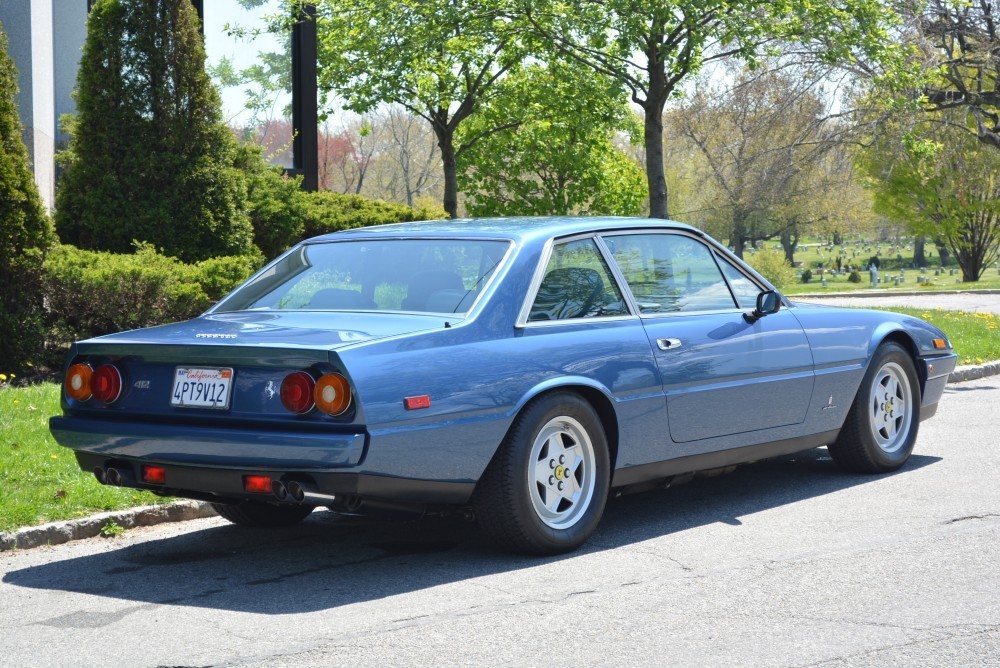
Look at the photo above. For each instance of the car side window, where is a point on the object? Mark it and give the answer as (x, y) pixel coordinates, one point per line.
(746, 291)
(670, 273)
(577, 284)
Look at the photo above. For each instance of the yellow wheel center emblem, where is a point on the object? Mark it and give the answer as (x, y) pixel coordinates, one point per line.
(560, 472)
(888, 406)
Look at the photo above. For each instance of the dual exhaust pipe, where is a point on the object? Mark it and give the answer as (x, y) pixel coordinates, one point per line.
(300, 492)
(114, 476)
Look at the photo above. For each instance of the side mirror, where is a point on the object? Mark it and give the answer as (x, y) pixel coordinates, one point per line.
(768, 302)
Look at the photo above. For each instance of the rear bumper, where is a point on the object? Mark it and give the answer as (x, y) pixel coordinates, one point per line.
(209, 446)
(935, 372)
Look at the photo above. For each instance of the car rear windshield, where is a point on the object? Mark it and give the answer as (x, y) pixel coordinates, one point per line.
(410, 275)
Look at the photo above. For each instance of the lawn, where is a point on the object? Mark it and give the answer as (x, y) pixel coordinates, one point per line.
(974, 336)
(39, 480)
(811, 254)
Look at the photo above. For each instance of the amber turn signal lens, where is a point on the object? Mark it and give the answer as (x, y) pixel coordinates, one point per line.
(297, 392)
(77, 382)
(332, 394)
(940, 343)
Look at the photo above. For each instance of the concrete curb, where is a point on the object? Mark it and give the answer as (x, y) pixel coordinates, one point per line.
(180, 511)
(88, 527)
(974, 371)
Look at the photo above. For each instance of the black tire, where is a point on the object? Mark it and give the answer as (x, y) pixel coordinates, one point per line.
(557, 432)
(875, 437)
(257, 514)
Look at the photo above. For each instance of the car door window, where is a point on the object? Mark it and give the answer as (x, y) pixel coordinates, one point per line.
(577, 284)
(670, 273)
(746, 291)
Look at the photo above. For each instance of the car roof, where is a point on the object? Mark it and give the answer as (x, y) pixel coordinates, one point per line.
(522, 228)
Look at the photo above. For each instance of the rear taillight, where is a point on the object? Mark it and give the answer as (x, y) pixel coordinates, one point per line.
(106, 383)
(77, 382)
(103, 383)
(332, 394)
(297, 392)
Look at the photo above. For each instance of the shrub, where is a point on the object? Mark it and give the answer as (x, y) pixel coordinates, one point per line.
(275, 202)
(89, 293)
(807, 275)
(772, 265)
(25, 233)
(854, 276)
(150, 157)
(327, 212)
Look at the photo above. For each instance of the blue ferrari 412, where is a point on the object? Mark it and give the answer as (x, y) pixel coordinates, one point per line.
(515, 370)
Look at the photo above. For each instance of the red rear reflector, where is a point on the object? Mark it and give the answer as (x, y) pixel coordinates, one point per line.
(154, 475)
(413, 403)
(106, 383)
(940, 343)
(257, 483)
(297, 392)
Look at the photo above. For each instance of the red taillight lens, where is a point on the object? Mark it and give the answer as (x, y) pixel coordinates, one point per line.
(332, 394)
(106, 383)
(297, 392)
(260, 484)
(154, 475)
(77, 382)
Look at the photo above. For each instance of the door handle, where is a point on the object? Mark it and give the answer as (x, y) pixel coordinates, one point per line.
(668, 344)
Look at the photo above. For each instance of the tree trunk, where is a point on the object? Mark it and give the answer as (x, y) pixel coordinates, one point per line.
(789, 241)
(838, 239)
(919, 256)
(448, 160)
(943, 252)
(655, 177)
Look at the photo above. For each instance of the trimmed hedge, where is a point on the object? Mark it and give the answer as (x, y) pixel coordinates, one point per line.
(327, 212)
(90, 293)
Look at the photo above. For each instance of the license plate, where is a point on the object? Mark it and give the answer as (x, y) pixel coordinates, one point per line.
(202, 388)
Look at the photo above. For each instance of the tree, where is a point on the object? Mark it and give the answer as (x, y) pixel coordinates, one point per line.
(770, 150)
(652, 46)
(25, 232)
(439, 59)
(943, 182)
(561, 158)
(150, 158)
(961, 45)
(409, 157)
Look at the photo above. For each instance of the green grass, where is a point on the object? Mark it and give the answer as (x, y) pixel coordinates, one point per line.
(974, 336)
(40, 480)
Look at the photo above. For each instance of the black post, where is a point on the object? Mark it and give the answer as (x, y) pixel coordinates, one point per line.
(305, 99)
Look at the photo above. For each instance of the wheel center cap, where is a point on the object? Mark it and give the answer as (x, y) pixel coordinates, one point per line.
(560, 472)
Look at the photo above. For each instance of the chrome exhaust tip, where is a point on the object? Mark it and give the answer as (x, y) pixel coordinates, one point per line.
(118, 476)
(101, 475)
(303, 492)
(279, 490)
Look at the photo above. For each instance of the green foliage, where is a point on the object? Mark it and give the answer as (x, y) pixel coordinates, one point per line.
(274, 202)
(772, 265)
(150, 157)
(440, 59)
(555, 153)
(327, 212)
(937, 178)
(25, 232)
(854, 276)
(111, 529)
(89, 293)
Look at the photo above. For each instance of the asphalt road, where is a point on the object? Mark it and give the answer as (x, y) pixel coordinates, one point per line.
(783, 563)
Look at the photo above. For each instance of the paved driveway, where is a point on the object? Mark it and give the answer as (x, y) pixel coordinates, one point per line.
(965, 301)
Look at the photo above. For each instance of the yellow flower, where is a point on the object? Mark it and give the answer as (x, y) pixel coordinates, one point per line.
(54, 456)
(3, 377)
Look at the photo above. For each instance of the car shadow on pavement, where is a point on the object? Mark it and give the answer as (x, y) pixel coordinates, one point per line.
(330, 561)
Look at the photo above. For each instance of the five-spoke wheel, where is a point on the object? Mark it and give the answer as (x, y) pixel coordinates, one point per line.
(545, 490)
(881, 426)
